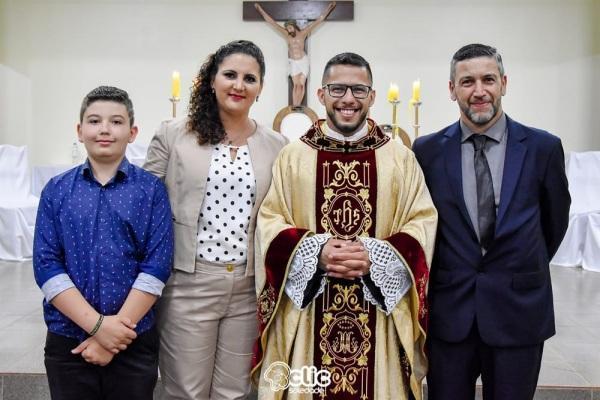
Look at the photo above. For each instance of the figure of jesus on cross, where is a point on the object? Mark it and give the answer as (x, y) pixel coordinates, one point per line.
(298, 65)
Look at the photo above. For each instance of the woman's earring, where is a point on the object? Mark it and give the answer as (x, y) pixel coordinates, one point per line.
(212, 90)
(257, 99)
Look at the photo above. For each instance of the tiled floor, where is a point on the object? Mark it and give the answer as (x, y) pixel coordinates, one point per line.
(22, 329)
(571, 358)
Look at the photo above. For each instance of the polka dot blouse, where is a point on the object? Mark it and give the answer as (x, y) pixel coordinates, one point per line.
(227, 207)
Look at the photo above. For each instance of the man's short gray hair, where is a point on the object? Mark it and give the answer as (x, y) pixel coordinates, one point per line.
(475, 50)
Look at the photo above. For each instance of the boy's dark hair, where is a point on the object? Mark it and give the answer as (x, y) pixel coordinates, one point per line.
(203, 111)
(475, 50)
(347, 59)
(107, 93)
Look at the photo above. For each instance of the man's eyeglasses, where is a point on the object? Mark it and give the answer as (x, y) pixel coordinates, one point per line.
(339, 90)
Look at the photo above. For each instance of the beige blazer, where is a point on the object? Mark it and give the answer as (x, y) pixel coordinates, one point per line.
(175, 157)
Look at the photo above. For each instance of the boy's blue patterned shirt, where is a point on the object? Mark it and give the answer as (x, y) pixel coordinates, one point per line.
(104, 240)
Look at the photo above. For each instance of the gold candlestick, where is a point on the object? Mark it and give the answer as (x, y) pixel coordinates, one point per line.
(416, 125)
(174, 101)
(395, 126)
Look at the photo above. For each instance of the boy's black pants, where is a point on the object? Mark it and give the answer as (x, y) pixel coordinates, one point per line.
(131, 375)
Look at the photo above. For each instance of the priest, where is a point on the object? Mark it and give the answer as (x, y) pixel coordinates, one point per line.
(344, 242)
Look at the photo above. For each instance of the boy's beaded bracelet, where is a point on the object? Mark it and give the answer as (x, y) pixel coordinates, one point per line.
(97, 326)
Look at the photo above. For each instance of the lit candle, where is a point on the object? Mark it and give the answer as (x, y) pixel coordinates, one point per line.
(393, 93)
(175, 85)
(416, 97)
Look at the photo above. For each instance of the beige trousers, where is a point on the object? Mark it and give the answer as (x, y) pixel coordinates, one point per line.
(208, 325)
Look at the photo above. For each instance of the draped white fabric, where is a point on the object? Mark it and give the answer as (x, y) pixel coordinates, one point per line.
(581, 245)
(41, 174)
(136, 153)
(18, 207)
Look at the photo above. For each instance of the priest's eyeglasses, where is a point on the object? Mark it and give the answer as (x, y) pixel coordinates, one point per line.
(339, 90)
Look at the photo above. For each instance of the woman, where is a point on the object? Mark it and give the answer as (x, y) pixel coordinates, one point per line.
(216, 164)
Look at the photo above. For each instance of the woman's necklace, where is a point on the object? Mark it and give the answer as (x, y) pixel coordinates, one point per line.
(230, 146)
(230, 141)
(233, 150)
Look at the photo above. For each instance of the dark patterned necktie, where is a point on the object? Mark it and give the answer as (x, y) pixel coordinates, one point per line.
(486, 207)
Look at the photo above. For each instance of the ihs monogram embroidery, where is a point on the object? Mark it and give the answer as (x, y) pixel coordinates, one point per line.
(346, 209)
(345, 340)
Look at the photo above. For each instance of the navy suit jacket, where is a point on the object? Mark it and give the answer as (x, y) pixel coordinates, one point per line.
(507, 291)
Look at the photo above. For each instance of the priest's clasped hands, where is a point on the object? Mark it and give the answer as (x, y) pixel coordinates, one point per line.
(344, 259)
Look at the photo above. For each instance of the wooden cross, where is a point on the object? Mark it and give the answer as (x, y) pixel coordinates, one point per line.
(301, 11)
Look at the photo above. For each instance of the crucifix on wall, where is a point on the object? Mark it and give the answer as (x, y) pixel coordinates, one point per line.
(300, 19)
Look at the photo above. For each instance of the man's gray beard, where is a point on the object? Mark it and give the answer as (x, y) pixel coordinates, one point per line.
(481, 118)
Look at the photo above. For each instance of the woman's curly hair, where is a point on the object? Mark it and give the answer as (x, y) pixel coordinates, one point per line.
(203, 111)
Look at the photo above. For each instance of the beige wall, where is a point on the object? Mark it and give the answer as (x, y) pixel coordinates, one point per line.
(52, 52)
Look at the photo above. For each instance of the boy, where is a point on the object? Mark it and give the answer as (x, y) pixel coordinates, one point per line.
(103, 249)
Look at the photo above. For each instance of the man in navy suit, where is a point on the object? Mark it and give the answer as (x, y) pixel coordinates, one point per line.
(501, 193)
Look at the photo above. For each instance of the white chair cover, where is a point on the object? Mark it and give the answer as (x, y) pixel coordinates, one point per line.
(581, 245)
(18, 208)
(136, 153)
(41, 174)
